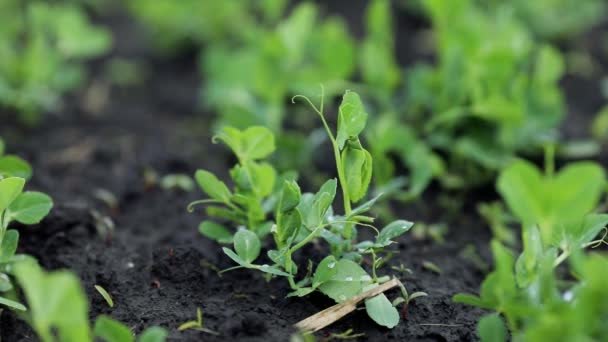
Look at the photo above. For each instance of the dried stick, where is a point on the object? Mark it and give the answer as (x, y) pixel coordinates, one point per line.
(332, 314)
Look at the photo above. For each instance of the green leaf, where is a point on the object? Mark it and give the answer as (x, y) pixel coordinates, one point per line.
(5, 282)
(57, 303)
(106, 296)
(393, 230)
(301, 292)
(272, 270)
(365, 207)
(215, 232)
(576, 191)
(153, 334)
(235, 257)
(212, 186)
(112, 331)
(30, 207)
(12, 166)
(357, 164)
(12, 304)
(9, 245)
(264, 176)
(521, 186)
(288, 225)
(471, 300)
(491, 328)
(381, 310)
(347, 282)
(10, 188)
(247, 245)
(575, 235)
(258, 142)
(231, 137)
(326, 270)
(314, 208)
(290, 196)
(352, 118)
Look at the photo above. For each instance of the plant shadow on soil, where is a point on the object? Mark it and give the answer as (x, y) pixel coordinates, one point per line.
(156, 266)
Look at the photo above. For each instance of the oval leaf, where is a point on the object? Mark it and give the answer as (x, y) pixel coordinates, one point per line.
(381, 310)
(325, 271)
(491, 328)
(247, 245)
(12, 166)
(9, 245)
(258, 142)
(30, 207)
(215, 232)
(10, 188)
(212, 186)
(392, 231)
(351, 118)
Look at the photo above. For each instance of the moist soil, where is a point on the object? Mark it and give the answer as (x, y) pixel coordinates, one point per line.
(156, 265)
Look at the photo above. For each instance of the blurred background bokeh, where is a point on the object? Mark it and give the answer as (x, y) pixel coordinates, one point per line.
(455, 89)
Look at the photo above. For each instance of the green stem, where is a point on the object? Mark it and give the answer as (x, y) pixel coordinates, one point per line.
(374, 276)
(561, 258)
(338, 158)
(292, 282)
(3, 226)
(550, 160)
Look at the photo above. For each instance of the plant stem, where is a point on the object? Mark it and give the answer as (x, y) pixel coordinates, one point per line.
(374, 276)
(561, 258)
(341, 175)
(550, 160)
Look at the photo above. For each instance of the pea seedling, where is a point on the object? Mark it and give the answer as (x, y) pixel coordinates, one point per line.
(299, 218)
(58, 309)
(554, 209)
(16, 205)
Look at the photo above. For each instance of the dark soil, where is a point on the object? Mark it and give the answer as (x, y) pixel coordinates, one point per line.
(156, 265)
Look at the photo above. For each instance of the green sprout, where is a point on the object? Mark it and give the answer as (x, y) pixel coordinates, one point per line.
(262, 203)
(555, 209)
(106, 296)
(197, 325)
(16, 205)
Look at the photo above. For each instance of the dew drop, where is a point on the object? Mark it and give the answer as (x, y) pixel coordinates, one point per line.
(349, 279)
(331, 265)
(342, 297)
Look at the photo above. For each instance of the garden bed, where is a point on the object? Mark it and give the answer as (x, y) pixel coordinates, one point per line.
(156, 265)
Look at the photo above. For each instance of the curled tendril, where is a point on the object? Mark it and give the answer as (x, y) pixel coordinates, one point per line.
(195, 203)
(602, 241)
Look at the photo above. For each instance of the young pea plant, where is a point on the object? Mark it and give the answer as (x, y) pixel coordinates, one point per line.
(300, 218)
(254, 182)
(58, 309)
(555, 210)
(16, 205)
(557, 204)
(550, 307)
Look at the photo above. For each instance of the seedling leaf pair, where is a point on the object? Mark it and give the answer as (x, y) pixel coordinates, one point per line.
(557, 203)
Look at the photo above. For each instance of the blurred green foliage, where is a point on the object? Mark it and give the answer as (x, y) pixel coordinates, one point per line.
(492, 93)
(42, 47)
(558, 19)
(174, 25)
